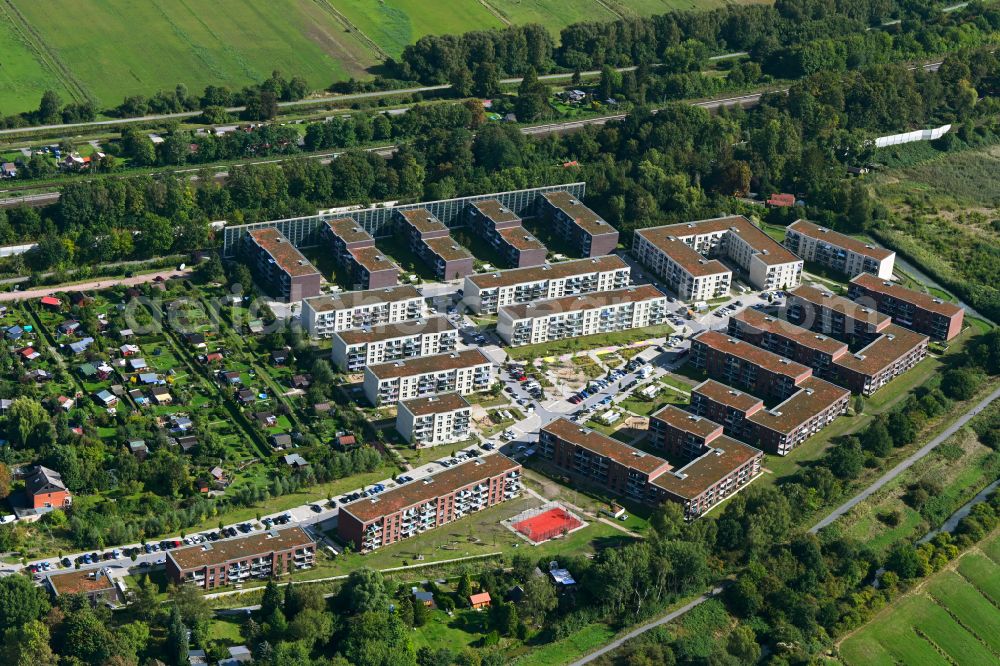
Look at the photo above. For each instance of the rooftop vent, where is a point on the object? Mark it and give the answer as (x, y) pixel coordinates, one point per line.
(809, 391)
(937, 300)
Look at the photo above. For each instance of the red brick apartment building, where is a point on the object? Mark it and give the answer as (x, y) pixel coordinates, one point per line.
(728, 406)
(430, 240)
(586, 231)
(502, 229)
(262, 555)
(921, 312)
(422, 505)
(280, 266)
(783, 338)
(824, 312)
(814, 406)
(354, 249)
(44, 489)
(891, 354)
(746, 366)
(716, 472)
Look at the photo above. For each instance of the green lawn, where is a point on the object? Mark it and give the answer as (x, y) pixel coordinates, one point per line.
(950, 620)
(457, 632)
(573, 345)
(577, 644)
(23, 76)
(393, 24)
(225, 42)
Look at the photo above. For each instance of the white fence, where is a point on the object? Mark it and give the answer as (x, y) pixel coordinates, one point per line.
(909, 137)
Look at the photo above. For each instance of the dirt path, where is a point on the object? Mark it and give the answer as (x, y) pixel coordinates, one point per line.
(93, 284)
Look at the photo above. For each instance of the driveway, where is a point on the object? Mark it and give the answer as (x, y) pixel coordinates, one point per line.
(106, 283)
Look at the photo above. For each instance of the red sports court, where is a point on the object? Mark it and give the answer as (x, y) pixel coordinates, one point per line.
(547, 525)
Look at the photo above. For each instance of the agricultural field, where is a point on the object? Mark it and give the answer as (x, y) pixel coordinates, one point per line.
(949, 619)
(105, 50)
(94, 49)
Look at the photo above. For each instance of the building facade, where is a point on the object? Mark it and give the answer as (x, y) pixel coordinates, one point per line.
(487, 292)
(813, 407)
(689, 274)
(891, 354)
(423, 505)
(746, 366)
(824, 312)
(279, 266)
(463, 372)
(727, 406)
(354, 250)
(765, 263)
(325, 315)
(44, 489)
(502, 229)
(435, 420)
(230, 561)
(586, 231)
(352, 350)
(430, 240)
(575, 316)
(914, 310)
(843, 254)
(709, 477)
(681, 433)
(783, 338)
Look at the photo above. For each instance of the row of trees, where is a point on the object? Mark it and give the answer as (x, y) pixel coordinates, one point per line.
(787, 39)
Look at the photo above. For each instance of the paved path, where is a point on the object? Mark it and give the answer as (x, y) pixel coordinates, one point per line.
(906, 464)
(93, 284)
(618, 642)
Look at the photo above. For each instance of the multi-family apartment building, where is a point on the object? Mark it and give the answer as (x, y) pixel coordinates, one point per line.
(588, 314)
(824, 312)
(923, 313)
(463, 372)
(891, 354)
(352, 350)
(691, 275)
(279, 266)
(784, 338)
(262, 555)
(354, 250)
(422, 505)
(682, 434)
(746, 366)
(766, 264)
(583, 229)
(441, 419)
(835, 250)
(815, 405)
(726, 406)
(325, 315)
(503, 230)
(486, 292)
(430, 240)
(713, 474)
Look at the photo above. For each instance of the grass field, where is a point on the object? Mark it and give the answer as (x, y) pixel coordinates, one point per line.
(108, 49)
(105, 50)
(951, 618)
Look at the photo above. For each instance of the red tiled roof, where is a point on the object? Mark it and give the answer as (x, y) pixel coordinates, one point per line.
(391, 501)
(814, 396)
(285, 255)
(724, 457)
(562, 269)
(425, 364)
(587, 219)
(587, 301)
(762, 322)
(622, 453)
(920, 300)
(759, 357)
(439, 404)
(767, 249)
(220, 552)
(727, 395)
(807, 228)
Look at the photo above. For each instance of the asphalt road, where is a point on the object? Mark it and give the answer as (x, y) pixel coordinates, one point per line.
(906, 464)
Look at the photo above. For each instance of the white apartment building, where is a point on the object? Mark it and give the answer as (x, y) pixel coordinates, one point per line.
(487, 292)
(442, 419)
(588, 314)
(688, 273)
(462, 372)
(766, 264)
(356, 348)
(843, 254)
(325, 315)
